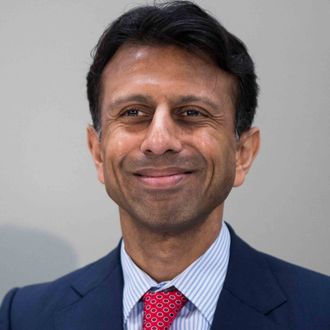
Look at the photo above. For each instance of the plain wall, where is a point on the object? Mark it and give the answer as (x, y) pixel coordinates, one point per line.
(55, 216)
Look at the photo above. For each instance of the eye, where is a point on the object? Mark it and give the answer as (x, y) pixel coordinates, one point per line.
(192, 113)
(133, 112)
(134, 115)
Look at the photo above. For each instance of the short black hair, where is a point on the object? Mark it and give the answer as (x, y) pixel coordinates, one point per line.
(186, 25)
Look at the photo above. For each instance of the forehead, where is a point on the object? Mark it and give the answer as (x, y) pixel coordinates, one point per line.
(164, 68)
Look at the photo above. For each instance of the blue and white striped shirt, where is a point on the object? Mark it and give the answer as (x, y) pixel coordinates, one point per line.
(201, 283)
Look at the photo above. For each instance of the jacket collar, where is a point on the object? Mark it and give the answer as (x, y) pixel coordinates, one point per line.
(95, 301)
(250, 291)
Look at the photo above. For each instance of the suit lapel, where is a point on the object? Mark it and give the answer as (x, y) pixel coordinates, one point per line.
(250, 291)
(233, 314)
(95, 299)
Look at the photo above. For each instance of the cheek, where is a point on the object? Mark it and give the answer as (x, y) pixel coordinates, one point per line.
(215, 147)
(219, 152)
(119, 144)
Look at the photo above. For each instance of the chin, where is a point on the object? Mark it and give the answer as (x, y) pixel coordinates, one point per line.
(171, 222)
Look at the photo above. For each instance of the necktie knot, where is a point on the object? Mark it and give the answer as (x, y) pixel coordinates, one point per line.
(161, 308)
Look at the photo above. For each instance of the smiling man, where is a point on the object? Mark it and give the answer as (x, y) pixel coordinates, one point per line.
(172, 96)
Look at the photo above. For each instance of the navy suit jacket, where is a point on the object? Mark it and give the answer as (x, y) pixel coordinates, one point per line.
(260, 293)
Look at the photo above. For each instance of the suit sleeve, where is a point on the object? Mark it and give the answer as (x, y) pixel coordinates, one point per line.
(5, 310)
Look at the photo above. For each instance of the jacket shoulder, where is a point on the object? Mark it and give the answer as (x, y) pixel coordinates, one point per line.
(32, 306)
(289, 295)
(294, 274)
(307, 291)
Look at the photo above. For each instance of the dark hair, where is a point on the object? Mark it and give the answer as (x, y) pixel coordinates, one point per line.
(184, 24)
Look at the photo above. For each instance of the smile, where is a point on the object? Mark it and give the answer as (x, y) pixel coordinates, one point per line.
(168, 178)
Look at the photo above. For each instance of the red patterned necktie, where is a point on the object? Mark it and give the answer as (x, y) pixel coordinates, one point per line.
(161, 308)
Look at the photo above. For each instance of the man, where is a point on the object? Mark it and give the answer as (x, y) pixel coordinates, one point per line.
(172, 96)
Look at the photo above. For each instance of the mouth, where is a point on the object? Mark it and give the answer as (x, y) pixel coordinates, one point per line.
(162, 178)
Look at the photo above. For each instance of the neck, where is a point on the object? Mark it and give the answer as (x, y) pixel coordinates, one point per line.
(163, 256)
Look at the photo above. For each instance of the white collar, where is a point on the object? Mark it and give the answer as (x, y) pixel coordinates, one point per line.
(201, 282)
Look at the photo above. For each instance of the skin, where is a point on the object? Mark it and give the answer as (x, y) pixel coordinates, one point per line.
(168, 155)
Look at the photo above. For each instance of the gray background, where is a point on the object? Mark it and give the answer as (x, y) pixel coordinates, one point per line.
(55, 216)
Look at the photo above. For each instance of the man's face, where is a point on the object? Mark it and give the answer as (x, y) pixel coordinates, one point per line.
(167, 150)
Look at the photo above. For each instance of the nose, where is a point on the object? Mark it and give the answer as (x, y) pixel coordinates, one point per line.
(162, 134)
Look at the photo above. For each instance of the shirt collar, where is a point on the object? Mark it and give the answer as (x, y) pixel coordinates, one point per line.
(201, 282)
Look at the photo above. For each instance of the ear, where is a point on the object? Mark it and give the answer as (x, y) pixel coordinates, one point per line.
(247, 149)
(94, 145)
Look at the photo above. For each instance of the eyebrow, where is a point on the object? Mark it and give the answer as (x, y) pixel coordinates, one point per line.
(140, 98)
(193, 98)
(130, 98)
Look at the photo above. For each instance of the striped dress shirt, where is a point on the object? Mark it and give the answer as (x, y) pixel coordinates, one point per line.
(201, 283)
